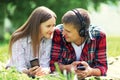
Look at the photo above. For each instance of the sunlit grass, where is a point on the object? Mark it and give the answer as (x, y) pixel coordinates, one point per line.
(113, 46)
(4, 52)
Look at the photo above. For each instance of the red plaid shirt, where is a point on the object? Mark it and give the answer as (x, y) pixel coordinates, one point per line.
(94, 50)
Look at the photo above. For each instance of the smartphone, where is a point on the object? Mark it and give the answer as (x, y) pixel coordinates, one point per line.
(81, 67)
(34, 62)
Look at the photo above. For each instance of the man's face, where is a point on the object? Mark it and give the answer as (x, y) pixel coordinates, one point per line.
(70, 33)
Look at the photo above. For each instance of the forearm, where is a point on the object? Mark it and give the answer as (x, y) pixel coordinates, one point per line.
(95, 72)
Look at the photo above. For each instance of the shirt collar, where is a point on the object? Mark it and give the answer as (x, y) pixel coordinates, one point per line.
(93, 32)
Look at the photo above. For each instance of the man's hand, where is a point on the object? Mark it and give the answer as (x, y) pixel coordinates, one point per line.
(84, 73)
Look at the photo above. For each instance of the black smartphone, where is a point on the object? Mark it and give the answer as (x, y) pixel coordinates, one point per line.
(81, 67)
(34, 62)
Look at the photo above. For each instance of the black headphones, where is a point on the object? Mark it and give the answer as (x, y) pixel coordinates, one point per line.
(82, 31)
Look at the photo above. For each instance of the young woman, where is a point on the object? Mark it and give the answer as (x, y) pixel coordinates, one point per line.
(31, 41)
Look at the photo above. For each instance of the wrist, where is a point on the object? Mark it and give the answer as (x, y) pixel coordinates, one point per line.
(65, 67)
(95, 72)
(91, 72)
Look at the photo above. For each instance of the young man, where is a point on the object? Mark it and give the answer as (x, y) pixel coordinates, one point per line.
(76, 42)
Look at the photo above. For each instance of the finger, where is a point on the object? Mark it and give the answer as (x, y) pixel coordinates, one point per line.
(38, 69)
(84, 63)
(76, 62)
(34, 68)
(82, 75)
(32, 71)
(40, 73)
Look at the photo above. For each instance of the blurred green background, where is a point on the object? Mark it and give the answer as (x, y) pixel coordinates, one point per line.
(105, 13)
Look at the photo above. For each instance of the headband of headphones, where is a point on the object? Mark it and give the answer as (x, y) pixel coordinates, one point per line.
(82, 30)
(81, 19)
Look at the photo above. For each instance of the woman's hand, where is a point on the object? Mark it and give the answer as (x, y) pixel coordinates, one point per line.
(42, 71)
(37, 71)
(32, 71)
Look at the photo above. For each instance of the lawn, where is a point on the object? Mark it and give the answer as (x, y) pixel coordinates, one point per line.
(113, 50)
(113, 46)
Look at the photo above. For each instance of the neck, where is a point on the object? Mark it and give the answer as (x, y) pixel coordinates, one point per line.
(40, 38)
(79, 41)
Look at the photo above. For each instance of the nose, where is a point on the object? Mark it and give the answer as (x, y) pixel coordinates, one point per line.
(52, 28)
(63, 33)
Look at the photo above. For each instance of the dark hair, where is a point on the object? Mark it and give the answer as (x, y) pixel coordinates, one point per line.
(31, 26)
(71, 18)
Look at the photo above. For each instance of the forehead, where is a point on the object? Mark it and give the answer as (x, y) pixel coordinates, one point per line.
(51, 20)
(69, 27)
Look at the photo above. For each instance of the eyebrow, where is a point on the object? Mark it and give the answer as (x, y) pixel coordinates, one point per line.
(66, 30)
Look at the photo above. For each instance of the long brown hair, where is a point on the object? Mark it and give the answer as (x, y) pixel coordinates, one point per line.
(31, 27)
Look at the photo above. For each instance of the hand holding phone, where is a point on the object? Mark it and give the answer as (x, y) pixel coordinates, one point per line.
(34, 62)
(81, 67)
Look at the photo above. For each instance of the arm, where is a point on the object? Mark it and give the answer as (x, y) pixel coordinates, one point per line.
(45, 51)
(18, 58)
(101, 57)
(55, 49)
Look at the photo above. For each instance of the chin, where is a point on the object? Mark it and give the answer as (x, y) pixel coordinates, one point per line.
(48, 37)
(67, 40)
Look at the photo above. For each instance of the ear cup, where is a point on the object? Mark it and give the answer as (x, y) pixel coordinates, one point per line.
(82, 32)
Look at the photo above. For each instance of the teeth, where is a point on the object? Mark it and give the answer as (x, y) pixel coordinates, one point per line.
(51, 36)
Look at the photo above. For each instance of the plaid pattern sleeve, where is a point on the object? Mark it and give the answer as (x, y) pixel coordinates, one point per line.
(56, 48)
(94, 51)
(61, 52)
(100, 54)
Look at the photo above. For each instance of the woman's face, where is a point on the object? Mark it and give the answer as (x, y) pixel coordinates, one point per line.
(47, 28)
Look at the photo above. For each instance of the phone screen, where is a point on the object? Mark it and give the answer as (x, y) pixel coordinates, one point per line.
(81, 67)
(34, 62)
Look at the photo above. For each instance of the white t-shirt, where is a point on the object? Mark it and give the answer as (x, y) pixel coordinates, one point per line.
(78, 50)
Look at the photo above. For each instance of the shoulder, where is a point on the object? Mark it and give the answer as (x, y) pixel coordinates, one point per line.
(57, 36)
(96, 32)
(58, 30)
(48, 41)
(22, 41)
(59, 27)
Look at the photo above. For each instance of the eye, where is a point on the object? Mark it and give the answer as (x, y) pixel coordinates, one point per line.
(48, 26)
(66, 31)
(54, 25)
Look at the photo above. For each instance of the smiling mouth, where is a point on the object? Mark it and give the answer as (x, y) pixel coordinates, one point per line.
(65, 37)
(50, 33)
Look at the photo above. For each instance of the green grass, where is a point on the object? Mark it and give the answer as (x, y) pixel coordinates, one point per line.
(3, 51)
(113, 46)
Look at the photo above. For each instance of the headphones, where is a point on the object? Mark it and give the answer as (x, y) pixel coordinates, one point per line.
(82, 31)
